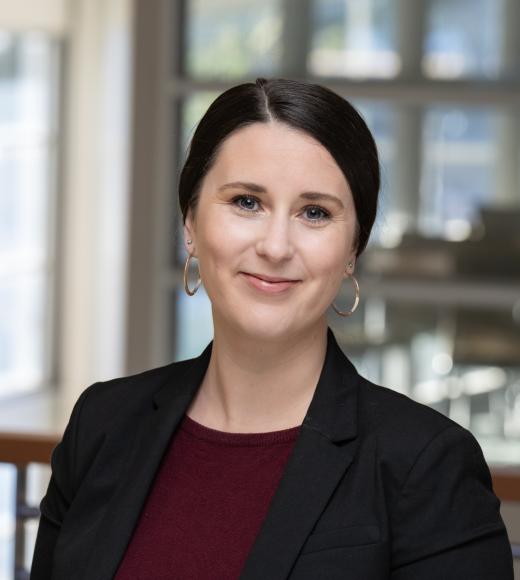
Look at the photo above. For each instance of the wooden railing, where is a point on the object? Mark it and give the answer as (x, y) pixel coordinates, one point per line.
(506, 483)
(21, 449)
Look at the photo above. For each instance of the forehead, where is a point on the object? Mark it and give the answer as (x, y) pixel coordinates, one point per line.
(276, 153)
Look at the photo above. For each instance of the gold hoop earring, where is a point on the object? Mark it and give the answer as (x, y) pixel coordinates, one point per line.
(186, 268)
(356, 300)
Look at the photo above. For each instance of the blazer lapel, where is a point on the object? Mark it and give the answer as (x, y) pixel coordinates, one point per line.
(117, 525)
(312, 472)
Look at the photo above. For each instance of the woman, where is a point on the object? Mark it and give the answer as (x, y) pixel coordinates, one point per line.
(268, 457)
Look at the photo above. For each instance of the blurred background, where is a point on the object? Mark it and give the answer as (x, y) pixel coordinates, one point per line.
(98, 99)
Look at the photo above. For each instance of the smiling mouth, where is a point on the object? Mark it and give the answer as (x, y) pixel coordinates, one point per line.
(265, 278)
(269, 284)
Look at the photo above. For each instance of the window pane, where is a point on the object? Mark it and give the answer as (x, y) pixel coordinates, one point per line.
(354, 39)
(463, 38)
(25, 177)
(27, 150)
(233, 38)
(459, 169)
(22, 331)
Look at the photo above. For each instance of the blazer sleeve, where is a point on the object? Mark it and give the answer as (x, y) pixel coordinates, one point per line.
(447, 522)
(58, 497)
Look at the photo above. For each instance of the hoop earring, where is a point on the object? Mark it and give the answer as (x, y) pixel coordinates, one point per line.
(186, 268)
(356, 300)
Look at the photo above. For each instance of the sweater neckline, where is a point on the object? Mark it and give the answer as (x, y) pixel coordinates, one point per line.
(263, 439)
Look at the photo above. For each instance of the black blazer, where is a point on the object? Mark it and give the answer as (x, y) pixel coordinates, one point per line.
(377, 486)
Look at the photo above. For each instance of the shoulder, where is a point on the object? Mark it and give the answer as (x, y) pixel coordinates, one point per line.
(405, 430)
(442, 508)
(110, 413)
(386, 409)
(134, 388)
(121, 402)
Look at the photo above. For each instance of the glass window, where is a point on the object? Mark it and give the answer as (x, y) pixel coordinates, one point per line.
(459, 169)
(463, 38)
(233, 38)
(27, 151)
(354, 39)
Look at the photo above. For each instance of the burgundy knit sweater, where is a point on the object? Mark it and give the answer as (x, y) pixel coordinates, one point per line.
(207, 503)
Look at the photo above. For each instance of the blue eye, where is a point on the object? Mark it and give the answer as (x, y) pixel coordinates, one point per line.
(312, 213)
(316, 213)
(246, 203)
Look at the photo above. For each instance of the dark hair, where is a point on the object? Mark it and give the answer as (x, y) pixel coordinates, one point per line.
(313, 109)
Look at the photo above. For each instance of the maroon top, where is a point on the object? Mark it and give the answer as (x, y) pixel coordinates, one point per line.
(207, 503)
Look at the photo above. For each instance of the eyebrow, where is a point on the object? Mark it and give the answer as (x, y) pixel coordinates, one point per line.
(310, 195)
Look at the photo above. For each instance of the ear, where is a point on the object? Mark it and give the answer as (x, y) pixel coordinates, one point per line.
(189, 233)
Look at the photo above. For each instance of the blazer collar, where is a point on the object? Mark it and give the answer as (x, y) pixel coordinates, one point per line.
(312, 472)
(333, 408)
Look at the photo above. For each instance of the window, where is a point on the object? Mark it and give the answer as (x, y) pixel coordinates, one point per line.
(246, 41)
(459, 174)
(28, 141)
(353, 39)
(463, 39)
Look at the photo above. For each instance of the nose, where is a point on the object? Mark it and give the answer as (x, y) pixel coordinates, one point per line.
(274, 240)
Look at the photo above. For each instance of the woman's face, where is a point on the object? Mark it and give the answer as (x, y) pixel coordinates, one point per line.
(274, 205)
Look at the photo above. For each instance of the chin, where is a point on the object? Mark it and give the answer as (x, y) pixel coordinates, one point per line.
(263, 326)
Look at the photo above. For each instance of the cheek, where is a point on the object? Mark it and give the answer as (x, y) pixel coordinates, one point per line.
(327, 255)
(213, 252)
(332, 268)
(326, 269)
(221, 242)
(224, 227)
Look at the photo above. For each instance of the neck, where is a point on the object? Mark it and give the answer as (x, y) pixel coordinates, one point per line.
(257, 386)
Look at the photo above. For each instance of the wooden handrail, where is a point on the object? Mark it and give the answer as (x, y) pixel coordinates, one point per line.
(24, 448)
(21, 449)
(506, 483)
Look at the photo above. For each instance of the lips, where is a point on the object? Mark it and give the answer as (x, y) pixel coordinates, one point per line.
(269, 278)
(269, 284)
